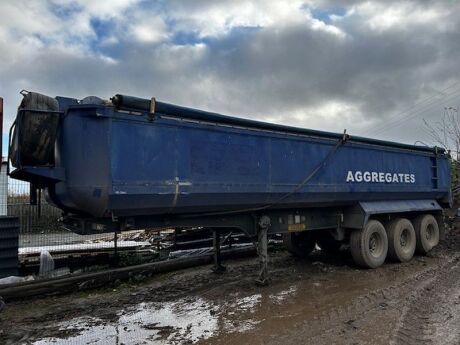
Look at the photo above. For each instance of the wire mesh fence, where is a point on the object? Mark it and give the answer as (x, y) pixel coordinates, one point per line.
(43, 238)
(42, 218)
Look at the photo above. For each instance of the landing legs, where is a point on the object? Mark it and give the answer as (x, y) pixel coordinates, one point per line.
(263, 225)
(218, 268)
(262, 250)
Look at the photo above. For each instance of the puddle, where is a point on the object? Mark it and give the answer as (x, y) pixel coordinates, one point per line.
(148, 323)
(183, 321)
(283, 295)
(245, 304)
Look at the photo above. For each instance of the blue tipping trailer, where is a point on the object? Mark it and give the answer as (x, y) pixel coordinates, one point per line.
(130, 162)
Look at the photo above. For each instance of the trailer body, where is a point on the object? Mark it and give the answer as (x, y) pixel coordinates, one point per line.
(131, 159)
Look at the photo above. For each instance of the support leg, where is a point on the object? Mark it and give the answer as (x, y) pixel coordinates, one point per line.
(262, 250)
(218, 268)
(115, 249)
(2, 304)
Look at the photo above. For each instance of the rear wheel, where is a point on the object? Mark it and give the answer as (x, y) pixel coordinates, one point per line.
(401, 240)
(369, 246)
(299, 244)
(426, 233)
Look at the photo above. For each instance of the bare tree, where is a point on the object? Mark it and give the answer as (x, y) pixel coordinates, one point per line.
(446, 132)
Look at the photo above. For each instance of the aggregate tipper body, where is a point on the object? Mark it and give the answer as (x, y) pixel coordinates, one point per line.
(126, 163)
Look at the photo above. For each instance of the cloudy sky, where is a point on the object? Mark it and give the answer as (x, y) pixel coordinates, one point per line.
(377, 68)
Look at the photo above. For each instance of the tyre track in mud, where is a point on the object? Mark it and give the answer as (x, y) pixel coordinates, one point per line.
(327, 327)
(429, 316)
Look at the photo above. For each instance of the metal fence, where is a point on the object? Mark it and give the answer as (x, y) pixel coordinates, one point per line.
(41, 233)
(34, 219)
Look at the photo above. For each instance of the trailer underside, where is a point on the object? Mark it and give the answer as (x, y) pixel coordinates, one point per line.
(326, 226)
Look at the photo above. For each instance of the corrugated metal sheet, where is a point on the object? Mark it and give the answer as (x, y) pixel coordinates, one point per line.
(9, 234)
(3, 189)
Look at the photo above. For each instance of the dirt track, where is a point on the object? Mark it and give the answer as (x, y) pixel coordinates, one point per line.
(321, 300)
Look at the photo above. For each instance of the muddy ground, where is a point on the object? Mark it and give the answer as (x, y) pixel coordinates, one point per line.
(320, 300)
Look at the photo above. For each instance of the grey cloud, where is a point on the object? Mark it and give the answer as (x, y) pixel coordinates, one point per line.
(271, 72)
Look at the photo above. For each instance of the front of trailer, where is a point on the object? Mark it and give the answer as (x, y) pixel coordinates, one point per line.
(62, 152)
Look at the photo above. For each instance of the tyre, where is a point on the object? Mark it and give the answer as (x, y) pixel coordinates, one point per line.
(369, 246)
(299, 244)
(328, 244)
(401, 240)
(426, 233)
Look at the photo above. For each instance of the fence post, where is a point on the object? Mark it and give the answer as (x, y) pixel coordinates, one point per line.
(3, 169)
(1, 127)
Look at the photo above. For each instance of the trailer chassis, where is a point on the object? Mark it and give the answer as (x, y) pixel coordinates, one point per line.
(257, 226)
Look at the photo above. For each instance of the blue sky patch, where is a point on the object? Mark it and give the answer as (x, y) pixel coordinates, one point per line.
(324, 15)
(102, 28)
(188, 38)
(64, 11)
